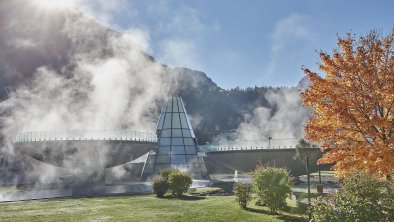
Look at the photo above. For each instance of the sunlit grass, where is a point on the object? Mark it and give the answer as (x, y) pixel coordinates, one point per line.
(139, 208)
(150, 208)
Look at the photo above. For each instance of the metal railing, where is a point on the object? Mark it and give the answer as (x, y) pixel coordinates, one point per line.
(85, 135)
(266, 144)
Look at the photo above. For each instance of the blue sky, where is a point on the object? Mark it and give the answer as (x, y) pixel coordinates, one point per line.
(243, 42)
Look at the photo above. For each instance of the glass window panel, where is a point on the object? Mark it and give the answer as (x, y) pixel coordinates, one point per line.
(165, 141)
(167, 121)
(177, 141)
(190, 150)
(188, 141)
(176, 133)
(186, 133)
(175, 120)
(174, 105)
(177, 150)
(169, 107)
(166, 133)
(192, 158)
(182, 167)
(151, 160)
(178, 159)
(184, 121)
(148, 168)
(163, 159)
(164, 150)
(180, 106)
(159, 167)
(195, 168)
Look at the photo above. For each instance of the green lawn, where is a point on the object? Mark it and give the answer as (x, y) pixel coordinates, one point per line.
(139, 208)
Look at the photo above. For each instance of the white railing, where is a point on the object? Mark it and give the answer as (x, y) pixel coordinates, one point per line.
(85, 135)
(265, 144)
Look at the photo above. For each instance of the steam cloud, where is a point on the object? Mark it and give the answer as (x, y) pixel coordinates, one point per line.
(114, 91)
(109, 83)
(286, 120)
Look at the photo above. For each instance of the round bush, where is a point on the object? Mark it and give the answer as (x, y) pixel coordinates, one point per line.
(272, 186)
(159, 186)
(243, 193)
(179, 182)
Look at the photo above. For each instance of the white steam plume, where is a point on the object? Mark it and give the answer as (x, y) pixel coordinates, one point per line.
(285, 120)
(108, 84)
(112, 93)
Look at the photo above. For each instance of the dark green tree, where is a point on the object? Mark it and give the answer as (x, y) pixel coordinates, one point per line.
(362, 198)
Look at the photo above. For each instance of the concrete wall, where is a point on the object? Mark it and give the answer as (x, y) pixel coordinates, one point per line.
(84, 153)
(247, 160)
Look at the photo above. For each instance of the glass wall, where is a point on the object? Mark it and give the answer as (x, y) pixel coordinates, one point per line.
(177, 146)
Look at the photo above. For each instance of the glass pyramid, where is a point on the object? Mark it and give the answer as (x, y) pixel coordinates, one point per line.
(177, 145)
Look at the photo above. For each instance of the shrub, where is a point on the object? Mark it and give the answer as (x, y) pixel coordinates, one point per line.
(179, 182)
(362, 198)
(243, 193)
(272, 186)
(159, 186)
(167, 172)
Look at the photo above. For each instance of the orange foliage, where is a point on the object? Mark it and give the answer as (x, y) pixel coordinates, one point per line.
(353, 105)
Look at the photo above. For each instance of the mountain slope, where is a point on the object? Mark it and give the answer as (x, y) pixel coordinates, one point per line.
(103, 80)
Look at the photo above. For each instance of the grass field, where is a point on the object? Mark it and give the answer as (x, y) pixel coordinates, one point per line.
(148, 208)
(140, 208)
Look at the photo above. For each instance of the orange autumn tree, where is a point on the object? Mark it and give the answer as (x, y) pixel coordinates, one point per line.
(353, 104)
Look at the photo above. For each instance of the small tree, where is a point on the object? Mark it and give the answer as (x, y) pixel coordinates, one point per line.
(272, 186)
(179, 182)
(243, 193)
(362, 198)
(353, 105)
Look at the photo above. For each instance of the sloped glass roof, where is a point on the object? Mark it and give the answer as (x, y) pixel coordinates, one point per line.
(174, 116)
(177, 145)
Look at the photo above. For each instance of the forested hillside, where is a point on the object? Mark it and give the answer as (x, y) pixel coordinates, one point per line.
(72, 73)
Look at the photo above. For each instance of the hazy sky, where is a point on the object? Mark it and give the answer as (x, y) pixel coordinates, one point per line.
(243, 42)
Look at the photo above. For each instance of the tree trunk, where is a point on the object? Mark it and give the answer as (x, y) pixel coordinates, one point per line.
(319, 174)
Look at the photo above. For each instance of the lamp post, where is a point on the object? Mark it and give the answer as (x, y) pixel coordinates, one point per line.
(309, 186)
(305, 152)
